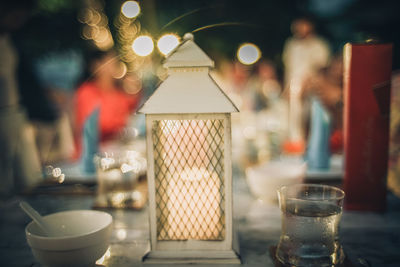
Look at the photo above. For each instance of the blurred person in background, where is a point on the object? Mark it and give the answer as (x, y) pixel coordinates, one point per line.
(269, 88)
(327, 85)
(58, 73)
(234, 80)
(273, 113)
(102, 90)
(19, 161)
(303, 55)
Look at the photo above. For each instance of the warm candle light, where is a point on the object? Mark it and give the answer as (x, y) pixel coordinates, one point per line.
(193, 204)
(194, 211)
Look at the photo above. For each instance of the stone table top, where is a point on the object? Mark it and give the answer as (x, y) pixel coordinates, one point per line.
(368, 239)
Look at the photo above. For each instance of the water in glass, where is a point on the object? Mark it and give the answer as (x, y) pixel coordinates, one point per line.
(310, 233)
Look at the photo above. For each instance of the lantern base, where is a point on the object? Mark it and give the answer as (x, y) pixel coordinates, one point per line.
(190, 257)
(231, 256)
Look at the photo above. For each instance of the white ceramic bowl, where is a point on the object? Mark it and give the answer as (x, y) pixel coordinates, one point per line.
(264, 180)
(83, 239)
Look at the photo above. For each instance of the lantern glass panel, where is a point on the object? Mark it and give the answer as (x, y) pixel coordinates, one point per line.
(189, 177)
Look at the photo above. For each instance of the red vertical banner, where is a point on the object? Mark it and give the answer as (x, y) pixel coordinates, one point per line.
(367, 76)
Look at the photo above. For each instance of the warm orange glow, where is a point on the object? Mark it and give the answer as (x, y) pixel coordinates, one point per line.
(96, 26)
(131, 83)
(104, 40)
(194, 203)
(102, 35)
(193, 196)
(87, 32)
(121, 71)
(95, 18)
(61, 178)
(85, 15)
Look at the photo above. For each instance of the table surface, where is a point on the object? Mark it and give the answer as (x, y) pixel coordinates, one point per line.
(368, 239)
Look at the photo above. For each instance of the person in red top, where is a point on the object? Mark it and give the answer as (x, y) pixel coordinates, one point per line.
(102, 90)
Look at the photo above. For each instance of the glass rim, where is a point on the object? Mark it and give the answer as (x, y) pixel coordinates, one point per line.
(340, 196)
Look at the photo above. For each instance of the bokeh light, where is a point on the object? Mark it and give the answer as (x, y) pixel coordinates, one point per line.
(121, 71)
(104, 258)
(248, 53)
(57, 172)
(85, 15)
(121, 234)
(104, 39)
(61, 178)
(87, 32)
(130, 9)
(95, 18)
(131, 83)
(102, 35)
(54, 173)
(143, 45)
(167, 43)
(96, 25)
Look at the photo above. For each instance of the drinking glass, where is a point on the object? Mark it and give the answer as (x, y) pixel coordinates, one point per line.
(117, 176)
(310, 225)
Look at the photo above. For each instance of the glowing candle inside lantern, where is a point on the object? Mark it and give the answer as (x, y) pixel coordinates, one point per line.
(194, 211)
(190, 181)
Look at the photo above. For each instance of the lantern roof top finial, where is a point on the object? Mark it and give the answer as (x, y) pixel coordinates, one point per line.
(188, 54)
(188, 91)
(188, 36)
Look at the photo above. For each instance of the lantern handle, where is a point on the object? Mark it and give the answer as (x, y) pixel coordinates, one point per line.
(224, 24)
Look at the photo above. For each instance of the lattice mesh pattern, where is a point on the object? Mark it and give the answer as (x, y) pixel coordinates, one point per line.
(189, 171)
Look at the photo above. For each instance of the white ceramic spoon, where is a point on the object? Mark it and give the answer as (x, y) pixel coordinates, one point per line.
(47, 228)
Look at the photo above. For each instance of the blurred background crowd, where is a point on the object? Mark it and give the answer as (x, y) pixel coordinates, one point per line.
(61, 60)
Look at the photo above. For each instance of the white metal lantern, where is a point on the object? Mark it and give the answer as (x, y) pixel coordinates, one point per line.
(188, 125)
